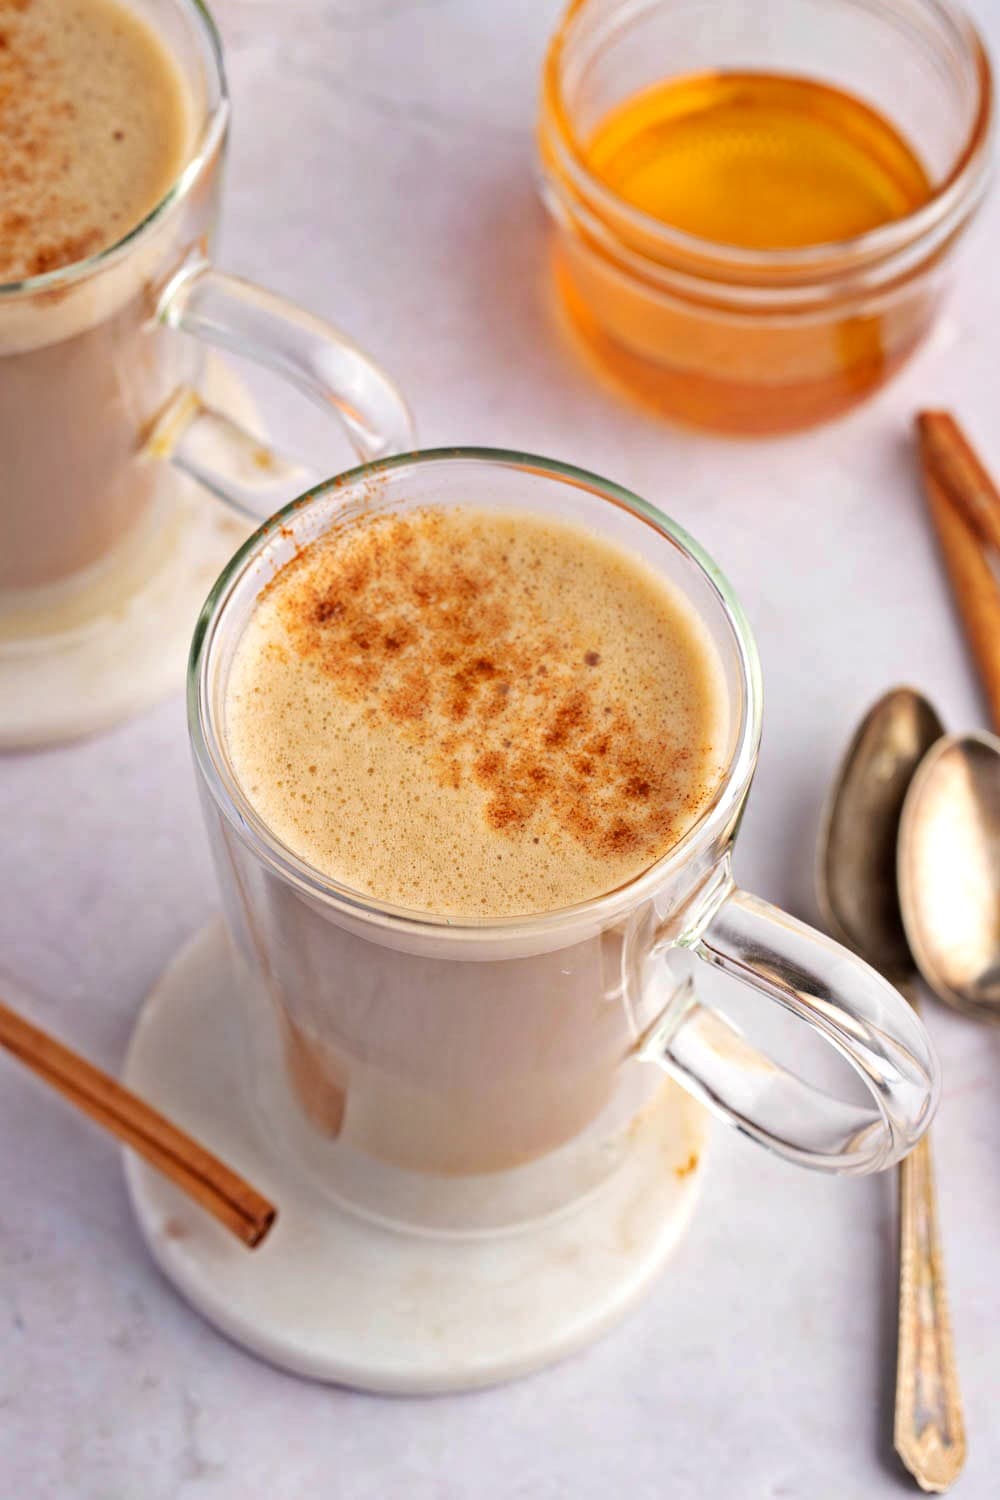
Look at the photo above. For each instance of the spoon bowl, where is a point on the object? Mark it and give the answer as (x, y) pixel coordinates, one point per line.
(856, 870)
(949, 872)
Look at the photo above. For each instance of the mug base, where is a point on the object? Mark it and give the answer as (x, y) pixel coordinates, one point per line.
(132, 650)
(335, 1297)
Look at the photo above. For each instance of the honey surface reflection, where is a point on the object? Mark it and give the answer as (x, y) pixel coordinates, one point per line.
(757, 160)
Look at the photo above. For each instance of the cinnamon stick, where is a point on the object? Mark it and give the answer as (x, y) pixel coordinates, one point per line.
(947, 451)
(171, 1151)
(973, 585)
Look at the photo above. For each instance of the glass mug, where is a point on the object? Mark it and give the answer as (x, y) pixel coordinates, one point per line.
(98, 385)
(451, 1074)
(761, 340)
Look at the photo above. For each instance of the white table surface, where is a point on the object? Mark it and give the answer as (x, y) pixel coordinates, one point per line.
(381, 172)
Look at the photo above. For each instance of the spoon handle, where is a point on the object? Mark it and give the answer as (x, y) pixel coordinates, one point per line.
(929, 1432)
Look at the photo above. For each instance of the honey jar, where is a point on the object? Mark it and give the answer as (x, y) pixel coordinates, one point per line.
(756, 207)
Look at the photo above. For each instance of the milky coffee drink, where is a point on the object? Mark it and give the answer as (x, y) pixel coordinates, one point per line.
(478, 715)
(473, 714)
(96, 125)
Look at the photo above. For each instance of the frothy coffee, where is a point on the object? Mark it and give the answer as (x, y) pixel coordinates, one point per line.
(474, 713)
(97, 120)
(94, 128)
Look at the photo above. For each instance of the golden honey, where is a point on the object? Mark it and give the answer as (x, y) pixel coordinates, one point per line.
(757, 160)
(752, 251)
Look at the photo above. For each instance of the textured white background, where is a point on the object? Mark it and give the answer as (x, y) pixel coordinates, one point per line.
(381, 172)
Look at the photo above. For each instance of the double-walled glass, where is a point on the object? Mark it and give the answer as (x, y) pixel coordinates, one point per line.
(101, 369)
(453, 1073)
(761, 340)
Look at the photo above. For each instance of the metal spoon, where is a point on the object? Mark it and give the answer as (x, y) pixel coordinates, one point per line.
(949, 872)
(856, 881)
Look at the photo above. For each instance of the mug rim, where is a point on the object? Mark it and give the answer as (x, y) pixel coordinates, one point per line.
(963, 182)
(204, 148)
(250, 828)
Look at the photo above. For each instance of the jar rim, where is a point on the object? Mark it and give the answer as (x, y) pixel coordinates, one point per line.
(951, 200)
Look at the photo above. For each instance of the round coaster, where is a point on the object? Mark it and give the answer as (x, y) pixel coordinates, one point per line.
(337, 1297)
(133, 650)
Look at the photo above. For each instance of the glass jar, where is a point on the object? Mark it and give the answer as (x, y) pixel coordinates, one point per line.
(759, 341)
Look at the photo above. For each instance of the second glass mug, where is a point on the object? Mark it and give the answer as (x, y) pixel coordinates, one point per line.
(446, 1074)
(99, 385)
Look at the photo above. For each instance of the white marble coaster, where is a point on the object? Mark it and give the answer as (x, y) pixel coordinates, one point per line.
(336, 1297)
(133, 651)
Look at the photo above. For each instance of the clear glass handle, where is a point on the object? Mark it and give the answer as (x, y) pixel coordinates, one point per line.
(323, 363)
(847, 1002)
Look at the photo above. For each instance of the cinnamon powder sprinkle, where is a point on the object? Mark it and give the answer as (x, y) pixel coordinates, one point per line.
(93, 129)
(480, 644)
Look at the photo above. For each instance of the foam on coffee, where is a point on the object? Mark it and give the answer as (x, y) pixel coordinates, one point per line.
(95, 126)
(474, 713)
